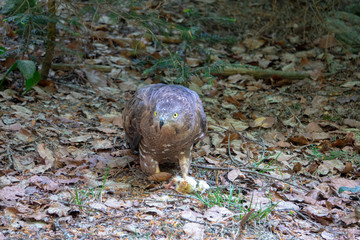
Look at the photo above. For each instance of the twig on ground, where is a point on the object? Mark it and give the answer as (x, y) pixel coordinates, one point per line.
(67, 235)
(252, 172)
(11, 161)
(260, 73)
(68, 67)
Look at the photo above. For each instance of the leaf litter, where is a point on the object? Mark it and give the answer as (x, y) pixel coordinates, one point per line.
(276, 153)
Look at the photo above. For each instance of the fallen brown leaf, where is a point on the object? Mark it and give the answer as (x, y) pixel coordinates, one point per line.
(160, 177)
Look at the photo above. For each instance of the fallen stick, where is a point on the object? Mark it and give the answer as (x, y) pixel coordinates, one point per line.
(260, 73)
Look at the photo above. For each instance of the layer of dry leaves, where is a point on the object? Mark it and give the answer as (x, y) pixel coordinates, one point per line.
(289, 143)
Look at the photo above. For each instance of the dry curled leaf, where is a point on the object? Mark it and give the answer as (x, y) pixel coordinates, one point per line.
(299, 140)
(160, 177)
(265, 122)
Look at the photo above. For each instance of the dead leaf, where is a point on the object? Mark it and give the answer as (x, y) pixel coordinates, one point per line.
(133, 228)
(193, 62)
(350, 219)
(283, 144)
(327, 41)
(217, 214)
(252, 43)
(79, 139)
(232, 100)
(98, 206)
(46, 154)
(312, 168)
(106, 130)
(44, 182)
(239, 116)
(22, 111)
(236, 124)
(160, 177)
(194, 231)
(348, 168)
(118, 121)
(319, 101)
(210, 160)
(297, 167)
(24, 135)
(352, 123)
(110, 119)
(265, 122)
(337, 183)
(313, 127)
(102, 144)
(349, 140)
(154, 211)
(316, 211)
(192, 216)
(233, 136)
(330, 165)
(235, 173)
(59, 209)
(9, 195)
(96, 78)
(114, 203)
(299, 140)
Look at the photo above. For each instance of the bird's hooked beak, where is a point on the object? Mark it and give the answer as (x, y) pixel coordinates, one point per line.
(162, 121)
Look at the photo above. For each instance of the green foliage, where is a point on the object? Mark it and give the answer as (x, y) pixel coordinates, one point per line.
(13, 7)
(31, 19)
(190, 35)
(296, 106)
(267, 163)
(27, 15)
(223, 198)
(334, 154)
(84, 195)
(235, 202)
(331, 117)
(28, 69)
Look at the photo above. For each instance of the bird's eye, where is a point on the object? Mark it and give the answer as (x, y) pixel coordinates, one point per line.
(155, 113)
(175, 115)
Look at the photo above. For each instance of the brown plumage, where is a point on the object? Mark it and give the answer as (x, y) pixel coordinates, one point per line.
(163, 122)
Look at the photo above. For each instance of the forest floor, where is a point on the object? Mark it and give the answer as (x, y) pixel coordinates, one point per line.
(277, 151)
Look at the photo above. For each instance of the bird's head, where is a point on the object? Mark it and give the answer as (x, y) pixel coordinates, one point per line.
(170, 111)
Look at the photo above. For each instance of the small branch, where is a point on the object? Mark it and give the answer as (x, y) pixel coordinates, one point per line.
(275, 178)
(251, 172)
(260, 73)
(68, 67)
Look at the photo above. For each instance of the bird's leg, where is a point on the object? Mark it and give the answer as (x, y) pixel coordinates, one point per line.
(184, 163)
(157, 169)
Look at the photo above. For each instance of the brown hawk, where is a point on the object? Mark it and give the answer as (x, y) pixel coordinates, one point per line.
(163, 122)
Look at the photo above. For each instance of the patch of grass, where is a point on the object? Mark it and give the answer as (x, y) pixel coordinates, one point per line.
(234, 201)
(223, 198)
(89, 194)
(263, 166)
(296, 106)
(334, 154)
(81, 196)
(331, 118)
